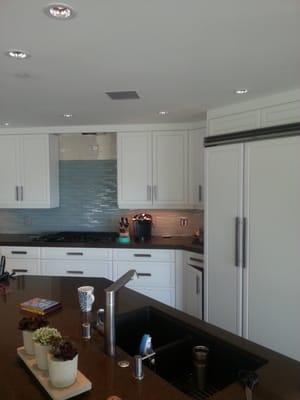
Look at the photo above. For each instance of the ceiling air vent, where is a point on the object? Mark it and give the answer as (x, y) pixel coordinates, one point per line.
(129, 95)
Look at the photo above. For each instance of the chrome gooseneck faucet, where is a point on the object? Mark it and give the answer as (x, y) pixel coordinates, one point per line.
(108, 327)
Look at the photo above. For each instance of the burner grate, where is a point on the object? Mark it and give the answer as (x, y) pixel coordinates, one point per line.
(186, 384)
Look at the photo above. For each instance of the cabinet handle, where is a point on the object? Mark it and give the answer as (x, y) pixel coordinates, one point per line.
(144, 274)
(196, 259)
(197, 285)
(142, 255)
(18, 252)
(74, 253)
(244, 242)
(149, 192)
(237, 242)
(200, 193)
(22, 193)
(17, 193)
(19, 270)
(75, 272)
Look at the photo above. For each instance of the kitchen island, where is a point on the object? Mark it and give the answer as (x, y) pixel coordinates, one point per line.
(278, 375)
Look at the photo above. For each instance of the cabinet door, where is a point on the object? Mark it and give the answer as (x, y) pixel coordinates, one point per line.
(170, 175)
(35, 171)
(243, 121)
(196, 168)
(9, 171)
(87, 268)
(223, 217)
(193, 292)
(281, 114)
(134, 169)
(24, 266)
(165, 296)
(272, 274)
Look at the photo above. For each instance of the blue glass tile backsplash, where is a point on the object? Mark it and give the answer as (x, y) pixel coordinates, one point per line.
(88, 201)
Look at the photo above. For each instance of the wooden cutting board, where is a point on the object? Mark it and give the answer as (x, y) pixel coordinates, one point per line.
(81, 385)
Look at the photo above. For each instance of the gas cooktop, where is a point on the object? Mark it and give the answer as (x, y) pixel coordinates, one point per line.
(78, 237)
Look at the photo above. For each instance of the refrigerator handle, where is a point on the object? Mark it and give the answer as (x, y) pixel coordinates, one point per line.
(244, 242)
(237, 252)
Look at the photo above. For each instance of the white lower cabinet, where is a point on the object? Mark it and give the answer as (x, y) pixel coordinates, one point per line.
(193, 285)
(22, 260)
(156, 270)
(159, 270)
(20, 266)
(88, 268)
(165, 296)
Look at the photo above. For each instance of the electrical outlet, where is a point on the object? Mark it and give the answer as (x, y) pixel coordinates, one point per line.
(183, 222)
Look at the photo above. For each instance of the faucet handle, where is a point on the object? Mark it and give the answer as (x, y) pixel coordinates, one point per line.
(100, 320)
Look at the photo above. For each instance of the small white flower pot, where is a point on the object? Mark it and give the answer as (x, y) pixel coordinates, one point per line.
(41, 355)
(62, 373)
(28, 342)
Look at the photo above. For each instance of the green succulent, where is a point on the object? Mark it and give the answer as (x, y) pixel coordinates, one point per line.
(46, 335)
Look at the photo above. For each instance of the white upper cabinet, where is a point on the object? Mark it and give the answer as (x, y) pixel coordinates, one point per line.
(281, 114)
(170, 169)
(243, 121)
(134, 169)
(278, 109)
(29, 171)
(9, 171)
(196, 168)
(153, 169)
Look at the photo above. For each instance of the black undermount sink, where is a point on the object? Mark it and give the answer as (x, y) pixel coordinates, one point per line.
(173, 341)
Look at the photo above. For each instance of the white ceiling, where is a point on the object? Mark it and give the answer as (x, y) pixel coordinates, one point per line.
(184, 56)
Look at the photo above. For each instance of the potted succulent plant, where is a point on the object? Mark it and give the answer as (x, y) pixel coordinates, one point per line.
(63, 363)
(43, 338)
(28, 325)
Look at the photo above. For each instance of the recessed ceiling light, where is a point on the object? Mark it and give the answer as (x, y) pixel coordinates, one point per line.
(241, 91)
(163, 112)
(5, 123)
(68, 115)
(19, 54)
(59, 11)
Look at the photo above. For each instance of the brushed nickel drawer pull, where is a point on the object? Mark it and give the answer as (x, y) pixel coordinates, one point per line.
(75, 272)
(142, 255)
(18, 252)
(144, 274)
(15, 270)
(74, 253)
(196, 259)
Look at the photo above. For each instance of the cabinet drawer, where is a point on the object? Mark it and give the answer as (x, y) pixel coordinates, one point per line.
(166, 296)
(20, 252)
(152, 274)
(144, 255)
(76, 253)
(195, 259)
(23, 267)
(77, 268)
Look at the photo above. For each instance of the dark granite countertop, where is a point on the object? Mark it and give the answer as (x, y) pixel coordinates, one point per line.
(177, 243)
(278, 377)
